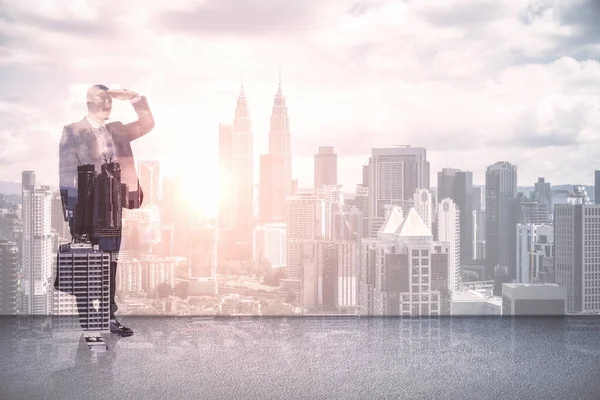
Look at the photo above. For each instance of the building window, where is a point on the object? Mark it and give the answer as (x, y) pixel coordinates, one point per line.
(415, 253)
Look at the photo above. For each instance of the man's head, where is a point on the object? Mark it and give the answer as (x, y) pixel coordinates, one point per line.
(99, 103)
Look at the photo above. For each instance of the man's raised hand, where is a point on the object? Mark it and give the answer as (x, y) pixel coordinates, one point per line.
(122, 94)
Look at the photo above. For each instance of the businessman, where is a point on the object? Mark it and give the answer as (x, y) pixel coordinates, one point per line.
(94, 141)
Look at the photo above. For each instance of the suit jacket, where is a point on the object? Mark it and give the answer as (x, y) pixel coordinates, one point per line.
(79, 145)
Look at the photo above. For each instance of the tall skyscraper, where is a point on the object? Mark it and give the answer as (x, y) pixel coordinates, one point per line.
(27, 179)
(226, 195)
(328, 260)
(270, 245)
(347, 276)
(271, 189)
(597, 187)
(108, 199)
(534, 253)
(501, 188)
(423, 203)
(202, 252)
(362, 203)
(458, 186)
(333, 197)
(236, 208)
(394, 175)
(280, 138)
(149, 175)
(36, 250)
(172, 205)
(449, 231)
(543, 193)
(10, 222)
(9, 264)
(463, 198)
(479, 198)
(325, 167)
(522, 211)
(576, 238)
(305, 220)
(446, 179)
(57, 220)
(346, 223)
(479, 234)
(330, 276)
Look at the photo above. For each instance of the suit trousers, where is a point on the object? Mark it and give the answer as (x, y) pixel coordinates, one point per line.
(91, 308)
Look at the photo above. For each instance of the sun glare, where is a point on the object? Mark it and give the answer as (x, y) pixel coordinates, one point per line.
(201, 193)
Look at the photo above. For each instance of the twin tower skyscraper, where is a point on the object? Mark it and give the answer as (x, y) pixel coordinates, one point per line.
(236, 172)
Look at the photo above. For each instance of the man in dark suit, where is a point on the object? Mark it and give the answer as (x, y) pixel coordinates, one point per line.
(93, 141)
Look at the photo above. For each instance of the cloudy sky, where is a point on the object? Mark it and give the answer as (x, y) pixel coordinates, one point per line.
(473, 81)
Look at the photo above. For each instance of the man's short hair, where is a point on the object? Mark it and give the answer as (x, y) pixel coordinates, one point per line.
(94, 91)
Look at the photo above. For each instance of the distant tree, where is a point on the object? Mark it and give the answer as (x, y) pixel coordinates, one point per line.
(272, 278)
(164, 290)
(469, 276)
(181, 289)
(291, 297)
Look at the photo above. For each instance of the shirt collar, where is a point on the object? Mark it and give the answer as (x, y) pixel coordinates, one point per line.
(95, 124)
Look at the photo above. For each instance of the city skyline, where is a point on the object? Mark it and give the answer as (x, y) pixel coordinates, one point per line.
(335, 198)
(418, 74)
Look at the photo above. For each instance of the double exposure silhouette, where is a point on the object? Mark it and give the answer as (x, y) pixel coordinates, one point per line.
(97, 180)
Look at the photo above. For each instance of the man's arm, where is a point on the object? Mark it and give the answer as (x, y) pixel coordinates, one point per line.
(67, 169)
(145, 122)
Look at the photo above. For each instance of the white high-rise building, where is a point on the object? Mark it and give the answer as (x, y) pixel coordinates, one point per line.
(270, 245)
(149, 175)
(394, 175)
(37, 251)
(330, 276)
(305, 220)
(404, 272)
(527, 237)
(577, 254)
(202, 251)
(157, 270)
(9, 272)
(347, 223)
(362, 203)
(325, 167)
(84, 276)
(130, 276)
(423, 203)
(333, 197)
(348, 257)
(449, 231)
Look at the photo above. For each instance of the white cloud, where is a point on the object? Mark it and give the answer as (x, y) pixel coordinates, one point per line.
(472, 83)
